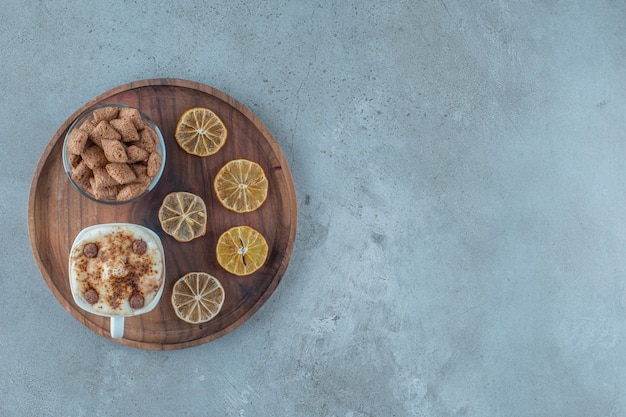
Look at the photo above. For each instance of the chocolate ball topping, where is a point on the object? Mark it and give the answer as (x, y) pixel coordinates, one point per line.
(139, 247)
(136, 301)
(90, 250)
(91, 296)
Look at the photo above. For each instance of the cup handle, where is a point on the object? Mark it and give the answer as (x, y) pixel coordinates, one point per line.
(117, 327)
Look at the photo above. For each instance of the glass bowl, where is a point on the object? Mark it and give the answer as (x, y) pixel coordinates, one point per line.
(108, 172)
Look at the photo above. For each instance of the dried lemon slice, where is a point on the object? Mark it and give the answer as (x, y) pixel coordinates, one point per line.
(183, 216)
(200, 132)
(241, 185)
(197, 297)
(241, 250)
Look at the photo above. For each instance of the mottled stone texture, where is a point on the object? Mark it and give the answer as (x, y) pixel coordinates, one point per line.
(460, 172)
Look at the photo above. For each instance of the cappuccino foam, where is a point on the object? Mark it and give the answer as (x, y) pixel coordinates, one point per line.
(116, 272)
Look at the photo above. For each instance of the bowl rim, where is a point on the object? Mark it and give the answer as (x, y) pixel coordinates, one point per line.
(82, 117)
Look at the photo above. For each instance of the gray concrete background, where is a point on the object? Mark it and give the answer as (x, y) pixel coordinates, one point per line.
(462, 199)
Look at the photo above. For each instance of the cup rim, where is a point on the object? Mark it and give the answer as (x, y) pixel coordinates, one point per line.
(157, 298)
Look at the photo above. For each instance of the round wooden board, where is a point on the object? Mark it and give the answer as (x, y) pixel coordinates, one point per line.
(57, 213)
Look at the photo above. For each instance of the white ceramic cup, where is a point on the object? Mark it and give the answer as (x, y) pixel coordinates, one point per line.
(94, 234)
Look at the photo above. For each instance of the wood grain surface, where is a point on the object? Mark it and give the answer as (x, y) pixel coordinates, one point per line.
(57, 213)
